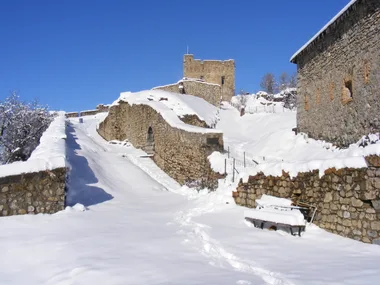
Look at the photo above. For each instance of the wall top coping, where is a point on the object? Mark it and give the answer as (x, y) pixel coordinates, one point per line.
(209, 60)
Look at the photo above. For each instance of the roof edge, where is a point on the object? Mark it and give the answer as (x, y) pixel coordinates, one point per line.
(344, 10)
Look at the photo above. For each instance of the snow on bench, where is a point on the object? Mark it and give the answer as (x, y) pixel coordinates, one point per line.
(278, 212)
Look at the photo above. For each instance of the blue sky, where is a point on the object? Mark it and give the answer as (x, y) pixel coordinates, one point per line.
(74, 54)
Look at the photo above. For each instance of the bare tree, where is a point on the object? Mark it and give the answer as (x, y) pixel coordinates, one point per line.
(293, 80)
(284, 81)
(268, 83)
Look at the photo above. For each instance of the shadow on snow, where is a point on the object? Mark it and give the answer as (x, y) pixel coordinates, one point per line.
(80, 176)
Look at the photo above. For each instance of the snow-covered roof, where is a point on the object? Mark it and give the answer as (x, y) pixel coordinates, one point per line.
(352, 2)
(172, 106)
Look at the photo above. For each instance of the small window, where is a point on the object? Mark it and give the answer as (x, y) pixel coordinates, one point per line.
(213, 141)
(347, 92)
(222, 80)
(366, 71)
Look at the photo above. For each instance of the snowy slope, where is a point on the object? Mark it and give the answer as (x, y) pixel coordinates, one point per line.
(269, 140)
(138, 231)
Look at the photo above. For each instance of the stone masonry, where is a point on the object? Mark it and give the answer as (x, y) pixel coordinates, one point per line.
(33, 193)
(181, 154)
(212, 71)
(209, 92)
(339, 78)
(348, 200)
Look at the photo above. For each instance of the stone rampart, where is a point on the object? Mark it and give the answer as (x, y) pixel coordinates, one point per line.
(181, 154)
(348, 200)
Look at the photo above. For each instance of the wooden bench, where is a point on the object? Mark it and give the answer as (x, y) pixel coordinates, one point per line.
(260, 224)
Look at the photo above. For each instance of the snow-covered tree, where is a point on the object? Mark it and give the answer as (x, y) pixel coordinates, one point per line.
(21, 127)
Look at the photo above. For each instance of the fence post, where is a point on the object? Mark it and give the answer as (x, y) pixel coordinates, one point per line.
(225, 166)
(233, 171)
(244, 159)
(228, 152)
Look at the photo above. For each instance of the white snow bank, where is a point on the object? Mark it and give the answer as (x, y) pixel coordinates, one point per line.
(171, 106)
(49, 154)
(76, 208)
(268, 200)
(217, 161)
(276, 169)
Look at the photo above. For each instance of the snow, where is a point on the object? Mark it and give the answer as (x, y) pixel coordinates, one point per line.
(49, 154)
(185, 79)
(174, 106)
(130, 225)
(268, 139)
(276, 210)
(290, 217)
(323, 29)
(256, 103)
(268, 200)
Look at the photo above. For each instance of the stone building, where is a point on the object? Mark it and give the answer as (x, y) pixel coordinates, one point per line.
(179, 146)
(207, 79)
(339, 76)
(212, 71)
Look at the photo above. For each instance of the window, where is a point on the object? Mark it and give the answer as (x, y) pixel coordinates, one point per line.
(367, 69)
(347, 92)
(222, 80)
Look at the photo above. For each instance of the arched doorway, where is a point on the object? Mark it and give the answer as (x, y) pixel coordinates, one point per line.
(149, 147)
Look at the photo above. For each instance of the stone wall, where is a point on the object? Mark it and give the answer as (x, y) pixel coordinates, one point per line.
(212, 71)
(72, 115)
(348, 200)
(209, 92)
(194, 121)
(339, 78)
(33, 193)
(181, 154)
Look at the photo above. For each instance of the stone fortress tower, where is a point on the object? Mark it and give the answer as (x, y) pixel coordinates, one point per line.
(212, 71)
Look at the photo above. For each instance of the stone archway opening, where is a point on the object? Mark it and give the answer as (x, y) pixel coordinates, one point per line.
(149, 147)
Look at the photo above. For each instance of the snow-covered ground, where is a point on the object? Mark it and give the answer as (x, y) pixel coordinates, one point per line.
(269, 140)
(141, 227)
